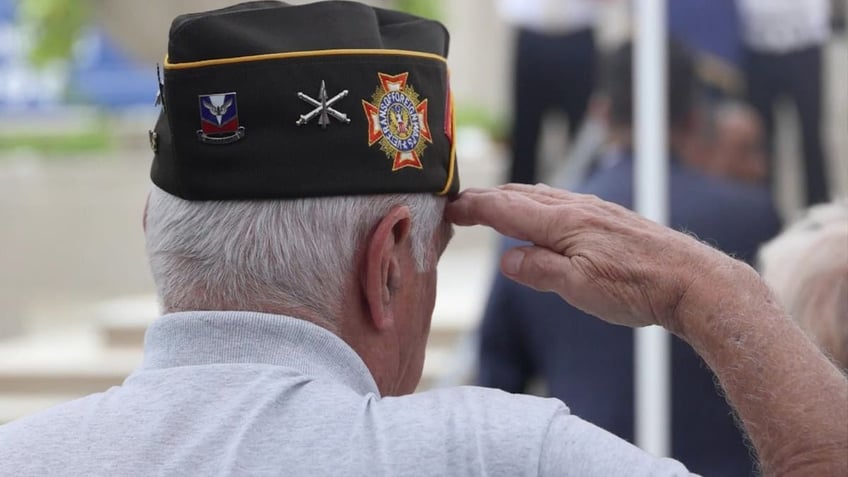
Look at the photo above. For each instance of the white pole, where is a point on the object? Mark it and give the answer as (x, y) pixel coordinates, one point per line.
(652, 378)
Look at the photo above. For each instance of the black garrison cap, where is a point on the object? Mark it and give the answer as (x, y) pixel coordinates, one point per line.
(267, 100)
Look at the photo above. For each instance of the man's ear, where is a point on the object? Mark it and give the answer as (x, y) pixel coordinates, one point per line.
(382, 270)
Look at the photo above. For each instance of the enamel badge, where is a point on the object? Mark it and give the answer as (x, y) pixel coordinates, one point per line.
(397, 119)
(219, 122)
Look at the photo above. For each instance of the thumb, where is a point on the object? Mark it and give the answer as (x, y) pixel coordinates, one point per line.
(538, 267)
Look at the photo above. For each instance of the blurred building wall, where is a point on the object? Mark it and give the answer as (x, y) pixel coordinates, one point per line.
(480, 43)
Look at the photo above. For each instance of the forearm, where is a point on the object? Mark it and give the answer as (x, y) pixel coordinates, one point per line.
(791, 400)
(627, 270)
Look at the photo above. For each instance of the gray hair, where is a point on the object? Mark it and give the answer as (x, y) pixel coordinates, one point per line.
(249, 255)
(807, 266)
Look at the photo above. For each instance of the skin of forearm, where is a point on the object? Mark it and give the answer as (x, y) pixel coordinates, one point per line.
(792, 401)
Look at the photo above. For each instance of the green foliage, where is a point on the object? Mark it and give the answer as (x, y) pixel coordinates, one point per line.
(58, 144)
(55, 25)
(422, 8)
(481, 117)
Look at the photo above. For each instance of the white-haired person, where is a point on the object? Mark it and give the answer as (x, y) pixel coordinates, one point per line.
(807, 267)
(296, 265)
(306, 258)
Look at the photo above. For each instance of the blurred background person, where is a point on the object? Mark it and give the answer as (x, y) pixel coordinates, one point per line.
(807, 266)
(736, 149)
(785, 40)
(554, 65)
(710, 30)
(526, 334)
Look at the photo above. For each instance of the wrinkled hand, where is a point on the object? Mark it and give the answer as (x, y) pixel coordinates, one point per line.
(598, 256)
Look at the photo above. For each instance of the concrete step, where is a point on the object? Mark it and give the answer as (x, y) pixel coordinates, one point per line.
(123, 321)
(71, 362)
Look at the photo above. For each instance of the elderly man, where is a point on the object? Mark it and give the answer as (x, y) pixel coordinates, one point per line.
(292, 319)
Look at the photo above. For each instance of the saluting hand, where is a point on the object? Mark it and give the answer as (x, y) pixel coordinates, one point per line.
(598, 256)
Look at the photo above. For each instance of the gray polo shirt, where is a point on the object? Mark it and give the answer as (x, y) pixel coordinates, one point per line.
(222, 393)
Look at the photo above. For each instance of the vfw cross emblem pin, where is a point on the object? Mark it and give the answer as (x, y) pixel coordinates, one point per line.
(219, 122)
(397, 119)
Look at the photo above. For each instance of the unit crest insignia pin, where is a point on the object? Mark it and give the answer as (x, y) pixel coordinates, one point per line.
(323, 108)
(219, 122)
(397, 119)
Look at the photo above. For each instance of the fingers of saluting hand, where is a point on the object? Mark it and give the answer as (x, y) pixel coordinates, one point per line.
(507, 212)
(542, 192)
(536, 214)
(600, 257)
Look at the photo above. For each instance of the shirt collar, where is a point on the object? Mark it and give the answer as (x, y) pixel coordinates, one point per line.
(216, 337)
